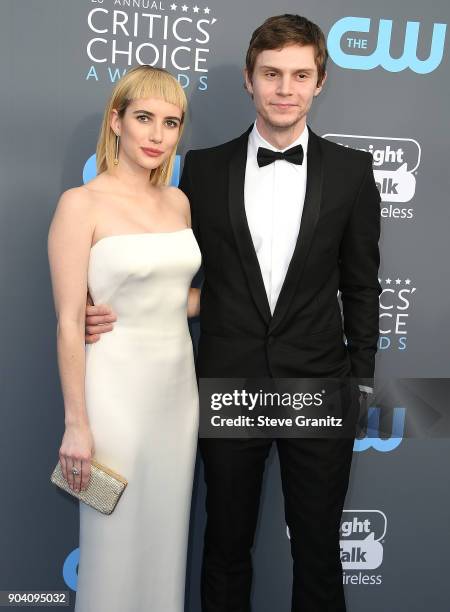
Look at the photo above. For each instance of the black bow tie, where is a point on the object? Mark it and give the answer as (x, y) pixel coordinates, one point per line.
(267, 156)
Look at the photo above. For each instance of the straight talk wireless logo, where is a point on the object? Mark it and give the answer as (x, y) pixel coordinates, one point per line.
(395, 166)
(362, 545)
(362, 537)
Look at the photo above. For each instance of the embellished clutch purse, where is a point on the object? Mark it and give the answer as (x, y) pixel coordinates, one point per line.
(103, 491)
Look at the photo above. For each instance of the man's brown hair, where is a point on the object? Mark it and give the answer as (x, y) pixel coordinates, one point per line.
(282, 30)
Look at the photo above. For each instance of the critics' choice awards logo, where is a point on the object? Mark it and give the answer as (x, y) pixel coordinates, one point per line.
(171, 35)
(395, 165)
(396, 300)
(350, 48)
(362, 536)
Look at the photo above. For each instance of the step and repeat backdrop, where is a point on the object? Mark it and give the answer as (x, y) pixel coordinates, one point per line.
(387, 92)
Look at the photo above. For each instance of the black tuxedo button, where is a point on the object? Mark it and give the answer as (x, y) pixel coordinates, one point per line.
(270, 340)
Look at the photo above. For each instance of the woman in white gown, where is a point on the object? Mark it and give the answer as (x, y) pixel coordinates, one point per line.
(131, 400)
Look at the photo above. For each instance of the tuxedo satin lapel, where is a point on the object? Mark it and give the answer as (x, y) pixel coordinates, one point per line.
(240, 227)
(310, 216)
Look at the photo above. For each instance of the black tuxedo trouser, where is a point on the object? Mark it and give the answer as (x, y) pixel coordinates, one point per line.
(314, 474)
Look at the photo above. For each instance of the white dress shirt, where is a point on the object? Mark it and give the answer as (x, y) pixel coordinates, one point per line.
(274, 196)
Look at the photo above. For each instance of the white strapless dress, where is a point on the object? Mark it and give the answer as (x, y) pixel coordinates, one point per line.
(142, 403)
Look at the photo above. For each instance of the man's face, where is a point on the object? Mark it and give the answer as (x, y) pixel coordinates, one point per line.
(283, 85)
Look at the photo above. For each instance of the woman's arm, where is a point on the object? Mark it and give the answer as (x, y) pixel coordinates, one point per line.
(180, 202)
(69, 244)
(193, 308)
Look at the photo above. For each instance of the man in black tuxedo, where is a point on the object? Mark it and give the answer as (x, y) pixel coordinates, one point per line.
(284, 220)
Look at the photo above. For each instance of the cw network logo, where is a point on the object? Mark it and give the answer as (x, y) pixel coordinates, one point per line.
(361, 542)
(345, 45)
(373, 438)
(90, 170)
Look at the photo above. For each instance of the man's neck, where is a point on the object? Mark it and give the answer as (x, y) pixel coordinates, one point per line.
(280, 138)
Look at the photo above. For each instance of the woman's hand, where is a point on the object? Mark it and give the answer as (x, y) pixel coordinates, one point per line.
(77, 450)
(99, 320)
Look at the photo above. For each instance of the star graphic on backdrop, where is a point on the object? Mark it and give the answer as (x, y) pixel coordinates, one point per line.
(195, 9)
(173, 7)
(207, 10)
(184, 8)
(388, 281)
(398, 281)
(407, 281)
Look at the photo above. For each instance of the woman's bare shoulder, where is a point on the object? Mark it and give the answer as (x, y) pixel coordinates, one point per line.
(176, 198)
(87, 196)
(80, 203)
(99, 186)
(73, 199)
(73, 216)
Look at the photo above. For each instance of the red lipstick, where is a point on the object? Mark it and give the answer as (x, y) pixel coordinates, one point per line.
(152, 152)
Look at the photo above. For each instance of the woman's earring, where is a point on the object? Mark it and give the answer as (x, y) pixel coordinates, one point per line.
(116, 157)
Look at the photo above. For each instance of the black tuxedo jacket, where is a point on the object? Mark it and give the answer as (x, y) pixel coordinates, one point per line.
(336, 249)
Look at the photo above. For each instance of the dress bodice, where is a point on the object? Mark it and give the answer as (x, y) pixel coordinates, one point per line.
(145, 278)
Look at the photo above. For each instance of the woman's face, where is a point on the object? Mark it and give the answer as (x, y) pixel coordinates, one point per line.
(148, 131)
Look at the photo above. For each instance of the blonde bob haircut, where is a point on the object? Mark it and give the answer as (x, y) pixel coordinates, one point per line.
(140, 82)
